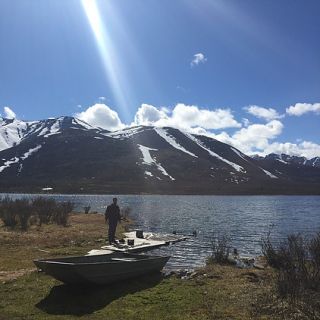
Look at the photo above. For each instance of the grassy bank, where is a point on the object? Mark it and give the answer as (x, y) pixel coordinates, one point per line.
(84, 232)
(216, 292)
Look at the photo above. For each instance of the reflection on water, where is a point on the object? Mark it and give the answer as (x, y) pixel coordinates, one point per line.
(245, 219)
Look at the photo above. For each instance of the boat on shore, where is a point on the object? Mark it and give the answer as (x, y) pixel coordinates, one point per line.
(101, 269)
(145, 242)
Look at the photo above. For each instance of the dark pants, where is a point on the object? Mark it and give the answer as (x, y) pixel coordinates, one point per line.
(112, 232)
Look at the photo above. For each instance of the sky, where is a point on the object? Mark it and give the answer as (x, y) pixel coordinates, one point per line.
(245, 72)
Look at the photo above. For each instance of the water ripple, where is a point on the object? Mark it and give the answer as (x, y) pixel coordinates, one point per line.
(245, 219)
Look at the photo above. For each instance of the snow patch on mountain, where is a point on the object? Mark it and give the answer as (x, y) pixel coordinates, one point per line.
(124, 133)
(279, 157)
(172, 141)
(213, 154)
(54, 129)
(316, 161)
(11, 133)
(269, 174)
(240, 154)
(81, 123)
(30, 152)
(8, 163)
(148, 160)
(285, 162)
(14, 160)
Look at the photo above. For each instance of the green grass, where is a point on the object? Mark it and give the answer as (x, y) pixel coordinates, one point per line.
(36, 296)
(224, 292)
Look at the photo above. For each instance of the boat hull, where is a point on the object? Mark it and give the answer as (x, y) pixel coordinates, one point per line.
(102, 269)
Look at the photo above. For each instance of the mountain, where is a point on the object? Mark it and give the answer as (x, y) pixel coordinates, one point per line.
(71, 156)
(291, 160)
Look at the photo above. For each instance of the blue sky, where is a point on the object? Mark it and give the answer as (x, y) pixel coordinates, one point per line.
(58, 58)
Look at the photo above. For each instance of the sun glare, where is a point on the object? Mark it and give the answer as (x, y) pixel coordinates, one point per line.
(107, 53)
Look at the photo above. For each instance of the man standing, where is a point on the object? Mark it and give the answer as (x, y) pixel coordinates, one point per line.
(113, 216)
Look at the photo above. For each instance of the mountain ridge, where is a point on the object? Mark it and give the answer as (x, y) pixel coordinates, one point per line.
(70, 155)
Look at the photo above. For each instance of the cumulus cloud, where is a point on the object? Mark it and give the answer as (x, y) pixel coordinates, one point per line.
(197, 59)
(253, 139)
(257, 136)
(301, 108)
(9, 113)
(148, 115)
(193, 116)
(250, 138)
(263, 113)
(306, 149)
(186, 117)
(245, 122)
(100, 115)
(257, 139)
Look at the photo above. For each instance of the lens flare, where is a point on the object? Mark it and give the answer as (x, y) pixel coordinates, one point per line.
(107, 53)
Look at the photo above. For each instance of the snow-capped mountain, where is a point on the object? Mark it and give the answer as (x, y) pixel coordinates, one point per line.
(293, 160)
(69, 155)
(13, 131)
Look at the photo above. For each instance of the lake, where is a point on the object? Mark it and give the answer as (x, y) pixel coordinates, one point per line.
(245, 219)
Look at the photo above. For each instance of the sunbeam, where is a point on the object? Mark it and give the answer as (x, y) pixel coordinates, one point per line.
(108, 54)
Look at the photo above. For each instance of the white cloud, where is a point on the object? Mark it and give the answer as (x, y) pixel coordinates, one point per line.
(193, 116)
(257, 136)
(306, 149)
(9, 113)
(100, 115)
(186, 117)
(250, 138)
(148, 115)
(300, 108)
(245, 122)
(197, 59)
(263, 113)
(253, 139)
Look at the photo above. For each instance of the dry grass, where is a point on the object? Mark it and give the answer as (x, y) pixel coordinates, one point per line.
(84, 232)
(229, 292)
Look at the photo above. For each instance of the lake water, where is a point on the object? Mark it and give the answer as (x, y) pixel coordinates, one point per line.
(245, 219)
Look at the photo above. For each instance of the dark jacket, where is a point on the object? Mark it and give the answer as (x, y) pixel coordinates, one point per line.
(113, 214)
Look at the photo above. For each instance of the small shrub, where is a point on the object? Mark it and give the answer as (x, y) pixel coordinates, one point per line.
(314, 252)
(7, 215)
(270, 253)
(298, 265)
(44, 209)
(220, 249)
(61, 216)
(23, 210)
(87, 209)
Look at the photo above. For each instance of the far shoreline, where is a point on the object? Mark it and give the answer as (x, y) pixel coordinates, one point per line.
(160, 194)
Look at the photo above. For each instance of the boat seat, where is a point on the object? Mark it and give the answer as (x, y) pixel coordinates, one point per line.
(124, 259)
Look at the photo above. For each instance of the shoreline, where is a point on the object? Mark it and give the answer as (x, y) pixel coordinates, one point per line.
(161, 194)
(211, 292)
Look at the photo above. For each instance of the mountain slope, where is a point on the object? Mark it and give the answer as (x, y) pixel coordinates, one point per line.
(71, 156)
